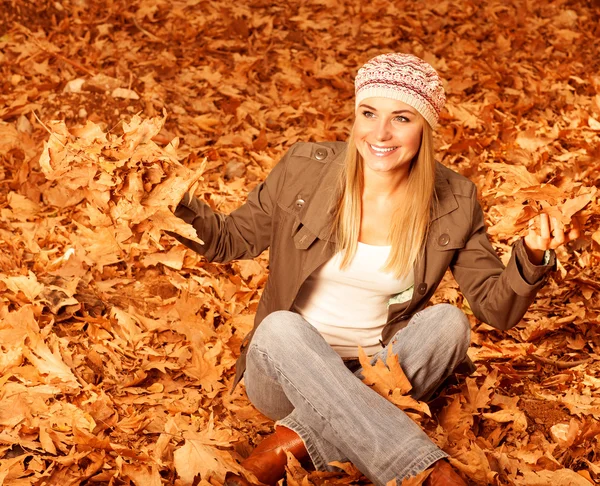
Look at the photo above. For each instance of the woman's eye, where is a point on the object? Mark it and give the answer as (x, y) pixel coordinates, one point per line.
(402, 119)
(368, 114)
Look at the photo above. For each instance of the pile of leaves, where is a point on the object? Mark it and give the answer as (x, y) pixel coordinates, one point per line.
(117, 344)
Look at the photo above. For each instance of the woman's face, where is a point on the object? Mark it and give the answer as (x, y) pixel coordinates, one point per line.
(387, 134)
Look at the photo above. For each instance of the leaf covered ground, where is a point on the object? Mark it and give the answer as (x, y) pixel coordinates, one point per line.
(117, 344)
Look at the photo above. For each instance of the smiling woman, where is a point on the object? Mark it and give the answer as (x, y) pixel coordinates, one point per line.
(391, 170)
(360, 236)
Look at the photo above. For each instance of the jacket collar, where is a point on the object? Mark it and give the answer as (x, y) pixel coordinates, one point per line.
(317, 215)
(444, 202)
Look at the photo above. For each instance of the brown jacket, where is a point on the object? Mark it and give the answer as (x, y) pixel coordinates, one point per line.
(291, 213)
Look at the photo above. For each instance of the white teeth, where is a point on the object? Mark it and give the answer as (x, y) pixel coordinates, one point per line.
(382, 150)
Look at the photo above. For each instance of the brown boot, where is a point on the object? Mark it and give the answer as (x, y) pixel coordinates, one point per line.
(267, 462)
(444, 474)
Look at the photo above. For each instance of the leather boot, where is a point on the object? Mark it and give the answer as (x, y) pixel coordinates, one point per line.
(444, 474)
(267, 462)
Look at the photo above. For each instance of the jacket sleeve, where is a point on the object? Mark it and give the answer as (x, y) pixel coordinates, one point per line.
(497, 295)
(243, 234)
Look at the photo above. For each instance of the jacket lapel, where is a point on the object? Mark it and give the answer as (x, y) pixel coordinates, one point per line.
(317, 215)
(444, 202)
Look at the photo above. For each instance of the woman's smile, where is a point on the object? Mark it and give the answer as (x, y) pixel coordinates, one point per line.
(380, 151)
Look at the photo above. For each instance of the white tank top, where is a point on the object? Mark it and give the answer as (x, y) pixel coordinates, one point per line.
(349, 307)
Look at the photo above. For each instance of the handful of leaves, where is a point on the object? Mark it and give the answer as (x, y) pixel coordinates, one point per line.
(124, 187)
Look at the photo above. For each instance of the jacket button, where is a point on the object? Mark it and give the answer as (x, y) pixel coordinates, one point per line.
(444, 239)
(422, 288)
(320, 154)
(299, 202)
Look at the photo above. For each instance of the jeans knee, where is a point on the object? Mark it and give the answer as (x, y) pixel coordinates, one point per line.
(279, 327)
(452, 325)
(459, 327)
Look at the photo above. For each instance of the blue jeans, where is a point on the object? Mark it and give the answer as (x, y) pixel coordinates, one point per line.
(294, 377)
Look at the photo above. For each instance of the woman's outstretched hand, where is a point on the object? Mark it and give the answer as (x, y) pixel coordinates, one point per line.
(547, 234)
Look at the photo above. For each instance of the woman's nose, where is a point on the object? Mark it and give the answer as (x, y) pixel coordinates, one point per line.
(383, 131)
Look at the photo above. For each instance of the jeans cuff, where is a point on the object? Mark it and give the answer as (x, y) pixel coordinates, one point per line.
(315, 456)
(423, 463)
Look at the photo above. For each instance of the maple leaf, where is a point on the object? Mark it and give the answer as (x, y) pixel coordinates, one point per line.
(48, 362)
(204, 367)
(195, 458)
(172, 259)
(474, 464)
(127, 325)
(22, 207)
(384, 377)
(54, 160)
(564, 477)
(86, 439)
(479, 398)
(531, 141)
(348, 468)
(142, 475)
(390, 381)
(456, 420)
(564, 212)
(517, 177)
(518, 418)
(296, 474)
(29, 285)
(46, 440)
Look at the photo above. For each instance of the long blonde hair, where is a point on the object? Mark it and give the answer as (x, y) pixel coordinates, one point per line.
(411, 220)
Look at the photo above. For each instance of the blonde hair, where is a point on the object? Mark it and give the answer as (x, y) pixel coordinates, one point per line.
(411, 220)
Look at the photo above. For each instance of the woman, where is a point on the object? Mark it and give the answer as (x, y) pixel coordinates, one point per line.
(360, 235)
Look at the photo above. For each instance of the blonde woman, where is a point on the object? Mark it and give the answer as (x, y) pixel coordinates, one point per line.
(360, 236)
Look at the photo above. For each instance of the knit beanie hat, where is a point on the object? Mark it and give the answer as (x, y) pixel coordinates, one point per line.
(402, 77)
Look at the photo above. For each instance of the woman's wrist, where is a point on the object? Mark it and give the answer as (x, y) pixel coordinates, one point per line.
(535, 256)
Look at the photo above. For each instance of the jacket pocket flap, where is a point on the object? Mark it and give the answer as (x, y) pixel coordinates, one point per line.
(304, 238)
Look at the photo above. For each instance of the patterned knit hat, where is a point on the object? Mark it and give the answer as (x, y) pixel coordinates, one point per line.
(402, 77)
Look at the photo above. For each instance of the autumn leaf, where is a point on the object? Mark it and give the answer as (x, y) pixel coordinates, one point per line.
(480, 397)
(49, 363)
(474, 464)
(384, 377)
(29, 285)
(456, 420)
(564, 477)
(516, 416)
(196, 459)
(390, 381)
(142, 475)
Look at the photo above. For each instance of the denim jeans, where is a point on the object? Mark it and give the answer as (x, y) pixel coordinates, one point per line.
(294, 377)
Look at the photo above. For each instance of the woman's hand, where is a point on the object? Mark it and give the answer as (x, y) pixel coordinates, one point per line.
(547, 234)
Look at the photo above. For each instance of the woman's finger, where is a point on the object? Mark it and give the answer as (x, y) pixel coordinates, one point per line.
(545, 232)
(575, 230)
(573, 234)
(533, 241)
(558, 234)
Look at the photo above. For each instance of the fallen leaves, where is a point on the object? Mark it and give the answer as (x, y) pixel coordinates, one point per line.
(117, 345)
